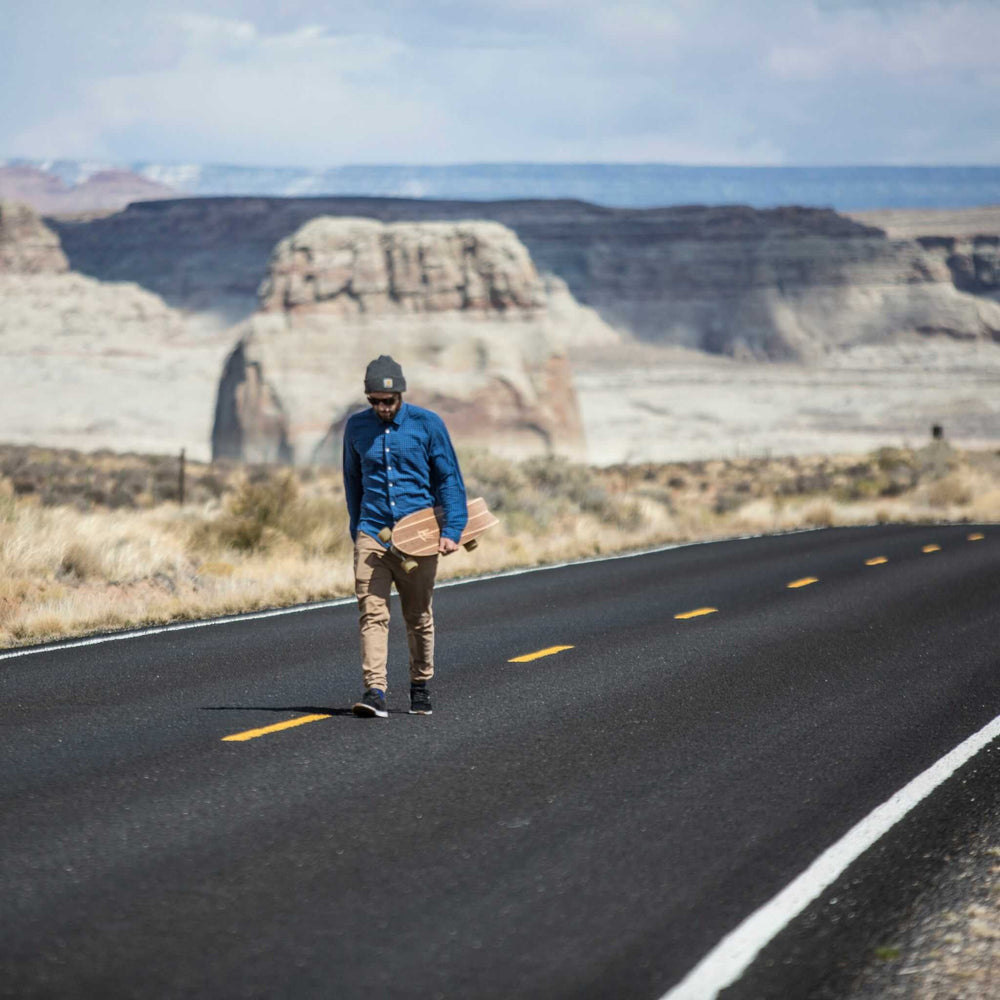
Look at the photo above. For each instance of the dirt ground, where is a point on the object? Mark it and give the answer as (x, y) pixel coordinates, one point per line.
(651, 404)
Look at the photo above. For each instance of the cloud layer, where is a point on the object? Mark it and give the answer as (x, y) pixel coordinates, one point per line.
(687, 81)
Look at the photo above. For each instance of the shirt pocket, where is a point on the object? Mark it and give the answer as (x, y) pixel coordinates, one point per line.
(373, 452)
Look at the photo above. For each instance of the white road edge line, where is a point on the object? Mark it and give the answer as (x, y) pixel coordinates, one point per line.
(181, 626)
(319, 605)
(732, 956)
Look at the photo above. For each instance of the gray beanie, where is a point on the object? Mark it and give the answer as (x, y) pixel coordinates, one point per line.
(384, 375)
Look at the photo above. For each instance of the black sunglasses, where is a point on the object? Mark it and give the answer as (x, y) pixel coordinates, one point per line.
(391, 401)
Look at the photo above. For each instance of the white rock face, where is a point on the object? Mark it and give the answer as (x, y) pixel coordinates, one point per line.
(483, 339)
(27, 245)
(102, 365)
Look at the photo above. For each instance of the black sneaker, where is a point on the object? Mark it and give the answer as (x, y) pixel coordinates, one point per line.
(372, 703)
(420, 700)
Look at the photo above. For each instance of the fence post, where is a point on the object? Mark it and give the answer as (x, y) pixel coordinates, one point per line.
(180, 481)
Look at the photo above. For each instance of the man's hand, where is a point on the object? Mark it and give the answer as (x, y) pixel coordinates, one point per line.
(446, 546)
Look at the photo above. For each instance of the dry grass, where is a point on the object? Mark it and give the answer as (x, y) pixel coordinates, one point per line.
(87, 543)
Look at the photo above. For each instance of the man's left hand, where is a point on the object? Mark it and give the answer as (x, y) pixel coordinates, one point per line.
(446, 546)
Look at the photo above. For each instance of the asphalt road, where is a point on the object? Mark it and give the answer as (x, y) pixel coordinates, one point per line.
(588, 823)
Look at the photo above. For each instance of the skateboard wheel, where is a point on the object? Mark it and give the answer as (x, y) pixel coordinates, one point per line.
(409, 565)
(469, 546)
(385, 535)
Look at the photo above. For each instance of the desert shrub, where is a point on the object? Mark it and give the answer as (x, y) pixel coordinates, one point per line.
(865, 487)
(818, 515)
(81, 560)
(211, 484)
(8, 505)
(625, 514)
(890, 459)
(806, 483)
(560, 478)
(318, 524)
(725, 503)
(250, 519)
(952, 490)
(266, 509)
(499, 481)
(264, 499)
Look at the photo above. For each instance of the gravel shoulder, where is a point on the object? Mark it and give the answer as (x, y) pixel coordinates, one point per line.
(950, 946)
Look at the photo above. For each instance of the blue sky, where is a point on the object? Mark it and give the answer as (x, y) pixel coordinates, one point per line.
(305, 83)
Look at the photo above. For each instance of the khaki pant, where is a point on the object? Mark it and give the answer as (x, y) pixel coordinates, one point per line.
(375, 571)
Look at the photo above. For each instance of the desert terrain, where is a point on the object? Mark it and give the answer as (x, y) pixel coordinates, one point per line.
(122, 345)
(637, 403)
(680, 443)
(671, 404)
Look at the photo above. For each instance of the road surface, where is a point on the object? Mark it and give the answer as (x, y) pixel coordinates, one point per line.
(626, 759)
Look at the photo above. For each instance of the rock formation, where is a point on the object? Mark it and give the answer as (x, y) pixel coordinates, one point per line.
(481, 336)
(96, 364)
(27, 245)
(781, 284)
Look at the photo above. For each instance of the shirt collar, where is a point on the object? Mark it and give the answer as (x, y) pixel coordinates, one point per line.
(396, 421)
(400, 417)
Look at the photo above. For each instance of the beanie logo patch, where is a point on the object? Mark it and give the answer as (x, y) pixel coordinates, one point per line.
(387, 383)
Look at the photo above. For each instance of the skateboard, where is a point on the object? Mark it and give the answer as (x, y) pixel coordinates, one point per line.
(418, 533)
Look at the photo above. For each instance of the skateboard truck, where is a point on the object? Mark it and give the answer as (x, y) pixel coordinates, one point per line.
(409, 563)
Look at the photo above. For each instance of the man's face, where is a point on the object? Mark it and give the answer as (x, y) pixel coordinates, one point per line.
(386, 404)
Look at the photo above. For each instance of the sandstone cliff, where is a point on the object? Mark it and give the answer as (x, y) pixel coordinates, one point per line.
(789, 283)
(27, 245)
(481, 336)
(97, 364)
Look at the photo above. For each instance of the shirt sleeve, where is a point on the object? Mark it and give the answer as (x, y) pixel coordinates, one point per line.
(352, 482)
(447, 482)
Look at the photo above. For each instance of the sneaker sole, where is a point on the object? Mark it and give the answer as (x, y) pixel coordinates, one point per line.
(367, 712)
(421, 711)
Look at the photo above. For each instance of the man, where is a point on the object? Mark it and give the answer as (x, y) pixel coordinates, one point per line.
(398, 458)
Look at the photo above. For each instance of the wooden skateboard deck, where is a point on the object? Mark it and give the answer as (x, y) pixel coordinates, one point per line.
(419, 533)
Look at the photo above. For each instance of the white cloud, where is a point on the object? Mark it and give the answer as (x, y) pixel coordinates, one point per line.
(908, 42)
(235, 93)
(757, 81)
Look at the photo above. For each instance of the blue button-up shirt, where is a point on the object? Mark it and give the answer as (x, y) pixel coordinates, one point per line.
(393, 469)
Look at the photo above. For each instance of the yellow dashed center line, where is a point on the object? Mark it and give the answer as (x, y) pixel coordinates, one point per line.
(252, 734)
(538, 654)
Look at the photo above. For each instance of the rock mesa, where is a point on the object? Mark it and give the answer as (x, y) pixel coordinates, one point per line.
(778, 284)
(482, 338)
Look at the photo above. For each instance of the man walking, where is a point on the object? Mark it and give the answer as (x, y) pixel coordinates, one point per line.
(398, 458)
